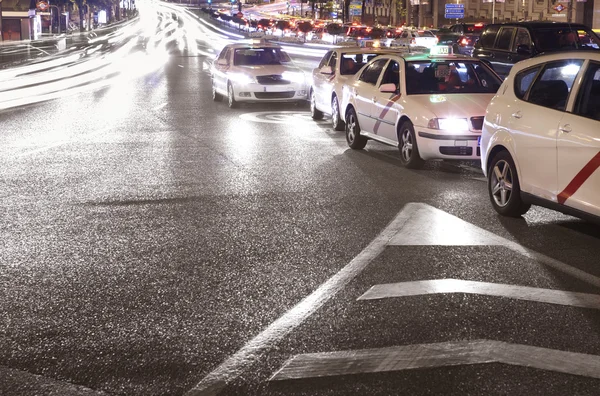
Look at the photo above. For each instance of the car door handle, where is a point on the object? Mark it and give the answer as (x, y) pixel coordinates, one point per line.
(517, 114)
(565, 128)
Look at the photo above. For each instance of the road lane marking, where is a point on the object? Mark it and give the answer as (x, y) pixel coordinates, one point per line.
(454, 353)
(231, 368)
(281, 117)
(443, 286)
(403, 230)
(432, 227)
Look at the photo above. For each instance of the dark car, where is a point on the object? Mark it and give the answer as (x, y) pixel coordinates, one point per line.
(503, 45)
(462, 37)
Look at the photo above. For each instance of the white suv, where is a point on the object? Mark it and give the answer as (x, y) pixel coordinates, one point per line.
(256, 72)
(540, 141)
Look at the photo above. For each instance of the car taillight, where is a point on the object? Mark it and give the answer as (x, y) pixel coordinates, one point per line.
(464, 41)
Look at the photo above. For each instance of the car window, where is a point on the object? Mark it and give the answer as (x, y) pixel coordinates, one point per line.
(325, 60)
(259, 56)
(556, 38)
(332, 61)
(588, 96)
(392, 74)
(552, 86)
(505, 38)
(224, 53)
(523, 81)
(521, 38)
(489, 36)
(440, 77)
(371, 74)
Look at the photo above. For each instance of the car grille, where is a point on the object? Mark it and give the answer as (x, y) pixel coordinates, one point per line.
(456, 150)
(273, 79)
(477, 123)
(275, 95)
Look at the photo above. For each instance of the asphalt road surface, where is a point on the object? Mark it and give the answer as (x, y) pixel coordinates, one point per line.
(155, 242)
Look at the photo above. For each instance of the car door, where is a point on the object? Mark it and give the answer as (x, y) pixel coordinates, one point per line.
(502, 56)
(320, 78)
(385, 109)
(220, 67)
(365, 90)
(579, 147)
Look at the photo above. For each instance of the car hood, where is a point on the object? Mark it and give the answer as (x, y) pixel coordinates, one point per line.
(450, 105)
(265, 70)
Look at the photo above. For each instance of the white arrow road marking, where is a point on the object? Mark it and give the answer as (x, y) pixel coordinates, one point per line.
(231, 368)
(418, 288)
(454, 353)
(431, 226)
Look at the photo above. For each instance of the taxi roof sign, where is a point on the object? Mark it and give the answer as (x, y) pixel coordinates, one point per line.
(441, 50)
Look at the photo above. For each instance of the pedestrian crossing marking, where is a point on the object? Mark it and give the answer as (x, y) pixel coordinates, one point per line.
(453, 353)
(441, 286)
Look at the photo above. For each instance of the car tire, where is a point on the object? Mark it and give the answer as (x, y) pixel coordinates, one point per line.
(355, 140)
(231, 97)
(504, 188)
(407, 144)
(217, 97)
(336, 120)
(315, 113)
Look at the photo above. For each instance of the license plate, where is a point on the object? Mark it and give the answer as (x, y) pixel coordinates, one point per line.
(478, 141)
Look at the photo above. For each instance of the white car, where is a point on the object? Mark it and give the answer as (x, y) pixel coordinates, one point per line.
(429, 106)
(257, 72)
(335, 69)
(414, 39)
(541, 136)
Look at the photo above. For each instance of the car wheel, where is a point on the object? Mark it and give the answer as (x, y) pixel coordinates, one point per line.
(315, 113)
(215, 95)
(355, 140)
(336, 121)
(504, 187)
(407, 144)
(231, 97)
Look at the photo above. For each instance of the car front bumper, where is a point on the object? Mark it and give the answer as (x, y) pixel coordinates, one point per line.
(441, 144)
(270, 93)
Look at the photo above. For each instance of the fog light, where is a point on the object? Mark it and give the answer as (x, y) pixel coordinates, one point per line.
(245, 94)
(301, 93)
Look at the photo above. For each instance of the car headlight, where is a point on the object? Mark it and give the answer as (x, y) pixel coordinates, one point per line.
(241, 78)
(294, 77)
(449, 123)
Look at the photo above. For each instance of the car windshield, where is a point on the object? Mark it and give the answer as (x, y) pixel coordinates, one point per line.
(260, 56)
(449, 76)
(557, 38)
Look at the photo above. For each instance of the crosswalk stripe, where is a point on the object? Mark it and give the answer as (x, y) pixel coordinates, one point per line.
(454, 353)
(441, 286)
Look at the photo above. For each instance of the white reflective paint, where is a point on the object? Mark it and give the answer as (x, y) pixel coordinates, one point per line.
(230, 369)
(280, 117)
(431, 226)
(442, 286)
(454, 353)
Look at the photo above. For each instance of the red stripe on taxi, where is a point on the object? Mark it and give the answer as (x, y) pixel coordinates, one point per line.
(579, 179)
(385, 110)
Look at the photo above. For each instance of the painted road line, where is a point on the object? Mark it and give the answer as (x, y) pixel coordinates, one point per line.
(443, 354)
(443, 286)
(434, 227)
(231, 368)
(579, 179)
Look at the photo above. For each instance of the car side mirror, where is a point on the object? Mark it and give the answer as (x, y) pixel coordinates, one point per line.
(388, 87)
(523, 49)
(326, 70)
(222, 62)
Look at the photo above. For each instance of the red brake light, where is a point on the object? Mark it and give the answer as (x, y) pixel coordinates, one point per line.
(464, 41)
(479, 24)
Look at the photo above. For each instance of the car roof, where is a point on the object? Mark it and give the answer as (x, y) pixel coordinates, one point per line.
(253, 44)
(562, 55)
(359, 50)
(540, 24)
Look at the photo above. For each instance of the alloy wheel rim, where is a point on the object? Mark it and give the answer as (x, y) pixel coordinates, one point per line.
(230, 95)
(334, 112)
(501, 183)
(313, 107)
(350, 128)
(406, 145)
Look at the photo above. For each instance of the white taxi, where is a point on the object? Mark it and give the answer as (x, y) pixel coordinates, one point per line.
(541, 137)
(429, 106)
(335, 69)
(256, 71)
